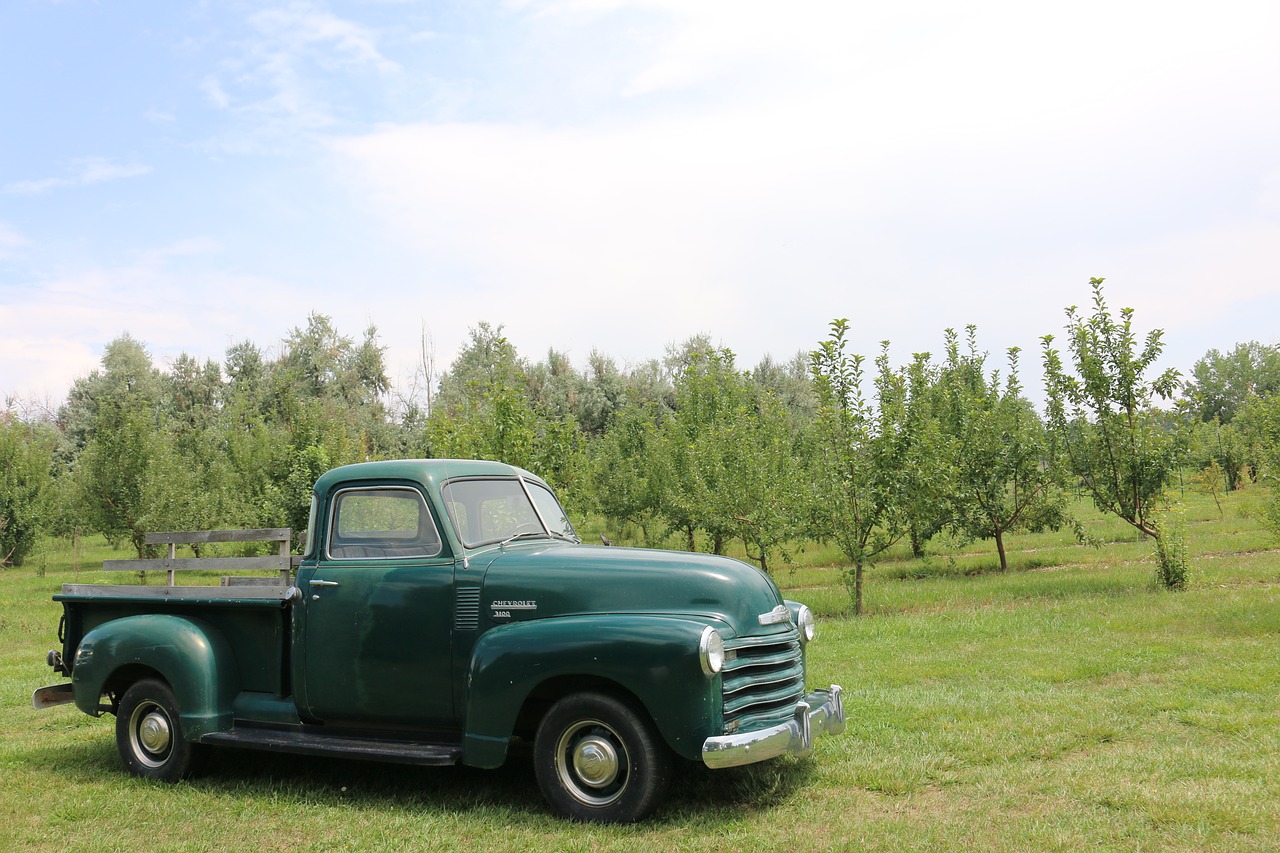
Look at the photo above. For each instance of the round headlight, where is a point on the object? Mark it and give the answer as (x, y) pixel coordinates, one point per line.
(805, 622)
(711, 651)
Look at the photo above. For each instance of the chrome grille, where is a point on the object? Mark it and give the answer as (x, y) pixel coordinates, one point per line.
(763, 679)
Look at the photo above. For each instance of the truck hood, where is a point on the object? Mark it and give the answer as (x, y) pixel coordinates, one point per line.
(537, 580)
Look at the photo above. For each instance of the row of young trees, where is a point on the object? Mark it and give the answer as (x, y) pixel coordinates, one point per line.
(825, 446)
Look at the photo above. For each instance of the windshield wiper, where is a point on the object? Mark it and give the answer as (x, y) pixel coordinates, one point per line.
(523, 534)
(566, 537)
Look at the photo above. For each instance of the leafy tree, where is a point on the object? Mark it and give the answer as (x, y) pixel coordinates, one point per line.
(1221, 383)
(1101, 411)
(488, 361)
(559, 456)
(26, 486)
(924, 456)
(1224, 448)
(324, 374)
(112, 469)
(321, 363)
(708, 397)
(729, 459)
(121, 437)
(790, 383)
(247, 372)
(1002, 481)
(625, 480)
(1209, 480)
(603, 392)
(855, 473)
(483, 410)
(555, 387)
(190, 397)
(189, 485)
(650, 382)
(767, 493)
(1260, 422)
(126, 370)
(1102, 416)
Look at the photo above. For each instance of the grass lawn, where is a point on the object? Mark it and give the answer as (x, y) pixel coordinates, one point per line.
(1066, 704)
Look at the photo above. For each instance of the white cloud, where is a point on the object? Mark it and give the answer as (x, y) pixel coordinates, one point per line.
(911, 166)
(214, 92)
(58, 326)
(85, 171)
(283, 78)
(10, 241)
(743, 168)
(297, 28)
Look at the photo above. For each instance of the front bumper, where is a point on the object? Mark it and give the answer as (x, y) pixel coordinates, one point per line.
(820, 713)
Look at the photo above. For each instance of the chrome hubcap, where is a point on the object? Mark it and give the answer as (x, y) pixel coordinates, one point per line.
(154, 733)
(591, 762)
(150, 734)
(596, 762)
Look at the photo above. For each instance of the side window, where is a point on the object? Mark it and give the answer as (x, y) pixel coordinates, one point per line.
(381, 524)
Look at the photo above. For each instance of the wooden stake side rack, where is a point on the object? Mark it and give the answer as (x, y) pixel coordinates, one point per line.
(281, 562)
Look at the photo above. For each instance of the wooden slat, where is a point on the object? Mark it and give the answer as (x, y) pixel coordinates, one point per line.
(212, 564)
(241, 580)
(208, 593)
(190, 537)
(282, 562)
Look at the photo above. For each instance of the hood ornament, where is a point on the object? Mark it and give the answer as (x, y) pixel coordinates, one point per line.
(776, 616)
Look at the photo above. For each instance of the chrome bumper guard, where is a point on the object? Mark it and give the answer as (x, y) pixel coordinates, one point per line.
(820, 713)
(51, 697)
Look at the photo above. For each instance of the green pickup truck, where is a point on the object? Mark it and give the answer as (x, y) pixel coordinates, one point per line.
(441, 610)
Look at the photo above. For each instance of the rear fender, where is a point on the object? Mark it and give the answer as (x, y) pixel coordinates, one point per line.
(188, 653)
(652, 658)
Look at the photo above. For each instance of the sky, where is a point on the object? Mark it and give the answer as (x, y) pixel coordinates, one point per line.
(620, 175)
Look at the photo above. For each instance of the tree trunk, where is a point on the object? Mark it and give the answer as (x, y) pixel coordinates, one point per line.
(1004, 563)
(857, 590)
(693, 546)
(917, 547)
(717, 544)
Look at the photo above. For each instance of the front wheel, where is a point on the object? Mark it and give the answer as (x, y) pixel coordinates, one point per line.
(149, 734)
(599, 760)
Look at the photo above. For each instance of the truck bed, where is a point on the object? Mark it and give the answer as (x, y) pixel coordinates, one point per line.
(255, 620)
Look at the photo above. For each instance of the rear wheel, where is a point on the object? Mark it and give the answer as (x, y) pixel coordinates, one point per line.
(149, 734)
(599, 760)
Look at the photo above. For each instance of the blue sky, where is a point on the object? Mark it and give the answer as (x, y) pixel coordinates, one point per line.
(622, 174)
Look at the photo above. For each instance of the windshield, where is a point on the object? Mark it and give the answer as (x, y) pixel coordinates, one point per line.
(552, 513)
(488, 511)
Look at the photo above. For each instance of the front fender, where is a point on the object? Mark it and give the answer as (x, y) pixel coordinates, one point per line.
(189, 653)
(655, 658)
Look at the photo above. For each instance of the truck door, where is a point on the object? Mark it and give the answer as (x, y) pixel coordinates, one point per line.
(377, 611)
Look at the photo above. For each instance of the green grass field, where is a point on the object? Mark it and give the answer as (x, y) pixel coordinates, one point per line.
(1067, 704)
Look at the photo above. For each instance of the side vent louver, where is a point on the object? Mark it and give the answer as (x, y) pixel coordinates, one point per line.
(466, 613)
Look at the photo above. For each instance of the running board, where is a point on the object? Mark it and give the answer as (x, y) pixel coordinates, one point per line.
(309, 743)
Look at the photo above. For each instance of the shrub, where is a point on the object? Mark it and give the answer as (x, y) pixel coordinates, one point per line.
(1172, 564)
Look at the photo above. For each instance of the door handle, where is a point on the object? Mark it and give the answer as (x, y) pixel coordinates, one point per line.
(325, 583)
